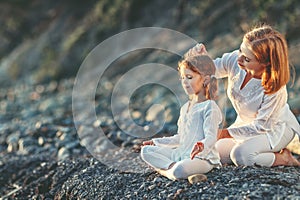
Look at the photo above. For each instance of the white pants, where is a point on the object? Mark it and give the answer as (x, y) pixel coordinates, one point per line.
(253, 151)
(160, 159)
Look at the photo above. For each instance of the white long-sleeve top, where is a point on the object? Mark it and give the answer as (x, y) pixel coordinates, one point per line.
(257, 113)
(200, 123)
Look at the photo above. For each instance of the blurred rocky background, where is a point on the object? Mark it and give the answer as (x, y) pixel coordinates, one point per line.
(42, 46)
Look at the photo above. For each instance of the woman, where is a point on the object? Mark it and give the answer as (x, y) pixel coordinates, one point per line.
(257, 76)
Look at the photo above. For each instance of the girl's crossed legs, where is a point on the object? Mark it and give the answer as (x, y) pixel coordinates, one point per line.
(160, 159)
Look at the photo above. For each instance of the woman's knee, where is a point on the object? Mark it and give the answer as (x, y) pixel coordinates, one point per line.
(224, 147)
(240, 155)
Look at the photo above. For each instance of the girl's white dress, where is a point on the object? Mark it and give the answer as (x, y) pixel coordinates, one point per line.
(257, 113)
(200, 123)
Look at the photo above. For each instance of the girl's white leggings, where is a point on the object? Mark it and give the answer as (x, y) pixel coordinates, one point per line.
(255, 150)
(160, 159)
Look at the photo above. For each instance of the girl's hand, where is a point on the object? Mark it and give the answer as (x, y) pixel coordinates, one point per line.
(198, 147)
(223, 134)
(199, 49)
(148, 142)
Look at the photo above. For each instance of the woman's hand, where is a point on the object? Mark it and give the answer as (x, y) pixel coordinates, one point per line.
(223, 133)
(198, 147)
(148, 142)
(199, 49)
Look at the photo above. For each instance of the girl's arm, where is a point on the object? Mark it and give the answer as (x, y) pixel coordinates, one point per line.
(212, 120)
(198, 147)
(211, 125)
(148, 142)
(172, 141)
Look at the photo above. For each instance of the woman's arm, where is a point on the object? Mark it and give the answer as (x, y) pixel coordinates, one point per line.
(198, 49)
(225, 65)
(223, 133)
(267, 116)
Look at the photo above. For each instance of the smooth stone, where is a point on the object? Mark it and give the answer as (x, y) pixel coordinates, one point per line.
(197, 178)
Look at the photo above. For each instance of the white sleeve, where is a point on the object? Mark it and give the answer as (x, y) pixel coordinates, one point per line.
(226, 65)
(267, 116)
(171, 142)
(212, 121)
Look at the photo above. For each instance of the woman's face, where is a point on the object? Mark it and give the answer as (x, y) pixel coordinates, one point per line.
(247, 61)
(191, 81)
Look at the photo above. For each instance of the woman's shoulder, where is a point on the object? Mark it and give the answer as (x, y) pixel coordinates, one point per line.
(280, 94)
(229, 56)
(227, 64)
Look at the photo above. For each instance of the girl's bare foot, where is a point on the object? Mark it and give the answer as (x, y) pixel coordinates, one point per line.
(171, 165)
(167, 172)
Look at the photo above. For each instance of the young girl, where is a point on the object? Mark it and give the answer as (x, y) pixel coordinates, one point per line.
(199, 121)
(257, 76)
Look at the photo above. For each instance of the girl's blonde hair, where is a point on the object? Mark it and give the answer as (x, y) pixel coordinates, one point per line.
(270, 48)
(203, 65)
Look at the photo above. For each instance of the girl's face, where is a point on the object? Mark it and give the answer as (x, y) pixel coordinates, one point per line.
(191, 81)
(247, 61)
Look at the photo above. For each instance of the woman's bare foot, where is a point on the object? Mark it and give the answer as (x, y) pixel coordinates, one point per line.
(292, 161)
(285, 158)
